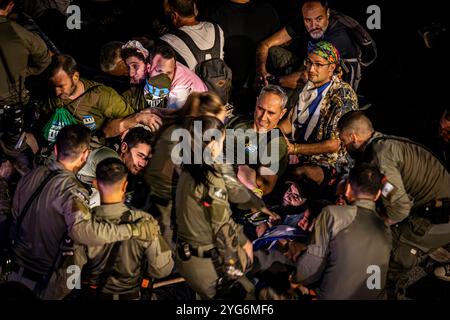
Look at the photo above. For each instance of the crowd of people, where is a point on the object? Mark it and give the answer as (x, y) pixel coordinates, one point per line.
(185, 170)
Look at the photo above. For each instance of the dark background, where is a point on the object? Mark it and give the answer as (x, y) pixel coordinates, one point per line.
(406, 86)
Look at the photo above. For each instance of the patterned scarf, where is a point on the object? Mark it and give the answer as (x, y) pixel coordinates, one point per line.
(324, 50)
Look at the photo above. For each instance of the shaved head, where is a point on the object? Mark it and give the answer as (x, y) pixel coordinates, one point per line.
(355, 129)
(356, 122)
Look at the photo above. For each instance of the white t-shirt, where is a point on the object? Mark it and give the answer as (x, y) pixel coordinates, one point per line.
(202, 34)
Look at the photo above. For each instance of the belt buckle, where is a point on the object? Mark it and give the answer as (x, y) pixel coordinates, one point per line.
(184, 251)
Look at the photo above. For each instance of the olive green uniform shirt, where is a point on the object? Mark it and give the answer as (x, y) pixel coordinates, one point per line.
(257, 153)
(127, 268)
(416, 175)
(25, 54)
(197, 224)
(94, 107)
(61, 207)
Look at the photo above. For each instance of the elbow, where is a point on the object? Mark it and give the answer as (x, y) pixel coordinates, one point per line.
(162, 270)
(396, 216)
(263, 45)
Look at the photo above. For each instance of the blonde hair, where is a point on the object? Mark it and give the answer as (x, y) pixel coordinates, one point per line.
(202, 103)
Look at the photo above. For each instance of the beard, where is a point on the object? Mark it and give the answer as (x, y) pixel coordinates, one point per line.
(355, 153)
(317, 34)
(72, 91)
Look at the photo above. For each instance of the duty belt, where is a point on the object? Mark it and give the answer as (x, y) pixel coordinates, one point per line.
(185, 251)
(27, 273)
(122, 296)
(437, 211)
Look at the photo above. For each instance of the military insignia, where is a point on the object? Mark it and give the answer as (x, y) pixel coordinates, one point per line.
(219, 193)
(89, 122)
(81, 196)
(387, 190)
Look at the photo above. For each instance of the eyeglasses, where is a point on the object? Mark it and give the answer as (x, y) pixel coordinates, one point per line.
(308, 64)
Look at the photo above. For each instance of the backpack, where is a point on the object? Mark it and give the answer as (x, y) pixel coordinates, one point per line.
(366, 45)
(214, 72)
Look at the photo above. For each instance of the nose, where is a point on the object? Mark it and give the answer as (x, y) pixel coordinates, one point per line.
(142, 163)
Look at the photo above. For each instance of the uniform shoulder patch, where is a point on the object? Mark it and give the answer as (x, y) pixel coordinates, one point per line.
(387, 190)
(81, 196)
(218, 193)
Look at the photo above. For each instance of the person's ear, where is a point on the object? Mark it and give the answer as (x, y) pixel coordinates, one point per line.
(174, 17)
(55, 150)
(85, 155)
(124, 185)
(76, 76)
(377, 196)
(328, 13)
(95, 183)
(195, 10)
(283, 112)
(148, 68)
(333, 68)
(123, 147)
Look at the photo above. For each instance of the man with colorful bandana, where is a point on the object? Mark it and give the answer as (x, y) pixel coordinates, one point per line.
(312, 124)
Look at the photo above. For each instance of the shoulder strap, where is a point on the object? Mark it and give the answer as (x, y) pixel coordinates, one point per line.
(38, 190)
(217, 44)
(198, 53)
(359, 33)
(104, 276)
(401, 139)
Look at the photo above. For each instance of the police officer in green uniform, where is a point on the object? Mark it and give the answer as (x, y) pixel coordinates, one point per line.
(51, 216)
(161, 173)
(22, 53)
(348, 243)
(416, 191)
(212, 250)
(113, 271)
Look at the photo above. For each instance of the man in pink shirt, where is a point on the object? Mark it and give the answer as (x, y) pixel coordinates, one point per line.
(145, 63)
(184, 81)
